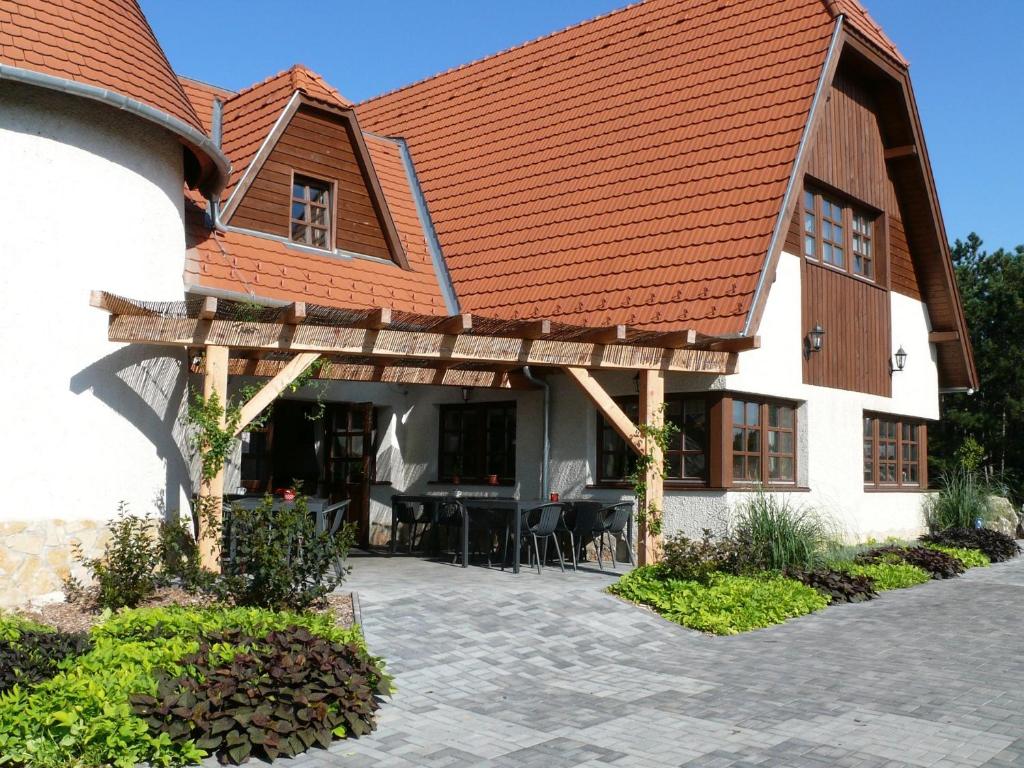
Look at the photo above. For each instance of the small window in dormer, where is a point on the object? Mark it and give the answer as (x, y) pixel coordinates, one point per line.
(311, 212)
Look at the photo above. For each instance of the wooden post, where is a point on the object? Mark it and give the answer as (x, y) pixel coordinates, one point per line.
(211, 492)
(652, 398)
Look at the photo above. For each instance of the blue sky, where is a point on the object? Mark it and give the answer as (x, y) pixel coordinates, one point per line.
(966, 66)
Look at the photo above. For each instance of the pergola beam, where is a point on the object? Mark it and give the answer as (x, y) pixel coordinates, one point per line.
(295, 313)
(270, 391)
(652, 412)
(615, 416)
(390, 373)
(418, 345)
(211, 490)
(455, 325)
(208, 309)
(613, 334)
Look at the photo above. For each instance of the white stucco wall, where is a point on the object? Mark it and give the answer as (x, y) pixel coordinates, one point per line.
(830, 422)
(91, 199)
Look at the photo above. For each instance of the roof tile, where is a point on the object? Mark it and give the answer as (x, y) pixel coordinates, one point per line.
(104, 43)
(628, 169)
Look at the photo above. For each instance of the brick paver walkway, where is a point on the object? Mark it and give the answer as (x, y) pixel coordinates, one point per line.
(549, 671)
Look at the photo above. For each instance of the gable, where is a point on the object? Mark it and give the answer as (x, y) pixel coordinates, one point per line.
(867, 146)
(322, 145)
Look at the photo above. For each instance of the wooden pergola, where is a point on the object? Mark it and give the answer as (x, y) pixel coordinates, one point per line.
(279, 343)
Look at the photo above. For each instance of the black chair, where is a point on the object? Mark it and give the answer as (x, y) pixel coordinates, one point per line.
(329, 521)
(449, 519)
(541, 523)
(611, 523)
(413, 516)
(579, 523)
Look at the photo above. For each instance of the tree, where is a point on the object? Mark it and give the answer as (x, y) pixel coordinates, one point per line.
(992, 288)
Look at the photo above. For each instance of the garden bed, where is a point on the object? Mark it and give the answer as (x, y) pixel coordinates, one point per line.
(781, 562)
(171, 685)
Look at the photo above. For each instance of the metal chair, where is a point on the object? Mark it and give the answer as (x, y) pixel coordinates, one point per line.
(580, 526)
(413, 516)
(449, 518)
(612, 522)
(329, 521)
(542, 523)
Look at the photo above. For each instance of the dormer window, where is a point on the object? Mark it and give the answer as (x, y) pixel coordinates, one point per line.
(311, 212)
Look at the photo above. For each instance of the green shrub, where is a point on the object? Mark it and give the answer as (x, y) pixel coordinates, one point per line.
(686, 558)
(887, 575)
(82, 716)
(277, 558)
(837, 586)
(773, 534)
(177, 622)
(284, 693)
(937, 564)
(726, 605)
(996, 546)
(126, 574)
(35, 655)
(962, 499)
(12, 625)
(179, 557)
(969, 558)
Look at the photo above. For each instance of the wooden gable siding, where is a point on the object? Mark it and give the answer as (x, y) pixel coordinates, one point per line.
(902, 275)
(320, 145)
(857, 346)
(848, 155)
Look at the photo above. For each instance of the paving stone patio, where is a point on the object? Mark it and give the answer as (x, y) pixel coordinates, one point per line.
(549, 671)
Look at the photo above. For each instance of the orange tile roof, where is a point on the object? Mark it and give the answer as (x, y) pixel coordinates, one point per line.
(269, 268)
(202, 95)
(626, 170)
(858, 18)
(250, 114)
(104, 43)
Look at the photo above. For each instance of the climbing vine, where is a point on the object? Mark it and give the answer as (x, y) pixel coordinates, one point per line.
(215, 443)
(655, 438)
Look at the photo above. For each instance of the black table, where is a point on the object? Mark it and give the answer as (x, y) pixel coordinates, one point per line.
(466, 505)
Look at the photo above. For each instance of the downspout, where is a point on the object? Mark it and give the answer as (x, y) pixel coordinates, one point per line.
(805, 140)
(546, 452)
(216, 130)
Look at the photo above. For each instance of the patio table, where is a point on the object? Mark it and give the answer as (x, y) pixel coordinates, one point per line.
(315, 504)
(468, 504)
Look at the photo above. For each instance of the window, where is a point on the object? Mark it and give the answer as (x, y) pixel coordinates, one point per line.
(763, 442)
(478, 440)
(894, 452)
(838, 234)
(311, 212)
(862, 234)
(686, 459)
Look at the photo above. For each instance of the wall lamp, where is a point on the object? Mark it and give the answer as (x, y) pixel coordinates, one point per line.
(901, 360)
(815, 338)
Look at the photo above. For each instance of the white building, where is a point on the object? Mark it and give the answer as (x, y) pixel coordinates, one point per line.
(752, 183)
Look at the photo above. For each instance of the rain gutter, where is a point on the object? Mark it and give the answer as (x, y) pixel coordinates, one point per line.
(194, 139)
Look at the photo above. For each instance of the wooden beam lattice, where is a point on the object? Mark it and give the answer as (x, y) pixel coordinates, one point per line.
(288, 373)
(391, 373)
(362, 342)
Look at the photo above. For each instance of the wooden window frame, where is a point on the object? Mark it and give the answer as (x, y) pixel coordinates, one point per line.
(872, 455)
(620, 445)
(307, 182)
(763, 454)
(445, 473)
(848, 210)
